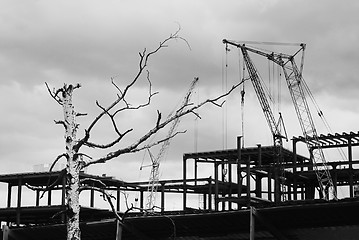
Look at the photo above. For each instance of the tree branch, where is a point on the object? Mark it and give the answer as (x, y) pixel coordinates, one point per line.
(135, 146)
(108, 197)
(144, 58)
(61, 123)
(49, 186)
(56, 160)
(54, 93)
(159, 116)
(150, 145)
(150, 96)
(82, 181)
(103, 146)
(81, 114)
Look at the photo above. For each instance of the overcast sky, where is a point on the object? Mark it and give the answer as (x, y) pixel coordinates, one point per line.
(89, 42)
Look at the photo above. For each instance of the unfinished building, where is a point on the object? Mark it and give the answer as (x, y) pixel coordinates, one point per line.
(259, 196)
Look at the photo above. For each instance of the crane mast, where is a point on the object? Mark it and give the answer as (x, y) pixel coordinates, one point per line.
(294, 82)
(294, 79)
(154, 175)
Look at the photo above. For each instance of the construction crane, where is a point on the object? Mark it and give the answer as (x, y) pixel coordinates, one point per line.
(154, 175)
(274, 125)
(296, 86)
(263, 97)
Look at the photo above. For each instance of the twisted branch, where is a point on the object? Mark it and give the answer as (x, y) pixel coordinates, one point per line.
(135, 147)
(121, 97)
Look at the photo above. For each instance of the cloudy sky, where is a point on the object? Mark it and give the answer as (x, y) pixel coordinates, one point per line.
(89, 42)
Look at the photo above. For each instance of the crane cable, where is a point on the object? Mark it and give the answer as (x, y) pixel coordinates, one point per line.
(279, 71)
(271, 82)
(224, 108)
(243, 92)
(196, 126)
(270, 89)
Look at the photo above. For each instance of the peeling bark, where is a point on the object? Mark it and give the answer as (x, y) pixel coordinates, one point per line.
(72, 166)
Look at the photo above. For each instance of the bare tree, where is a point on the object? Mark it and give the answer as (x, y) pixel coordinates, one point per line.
(77, 159)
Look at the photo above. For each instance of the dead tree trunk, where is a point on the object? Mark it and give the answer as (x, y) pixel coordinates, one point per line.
(72, 167)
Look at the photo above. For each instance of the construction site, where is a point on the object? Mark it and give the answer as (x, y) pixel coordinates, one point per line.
(258, 192)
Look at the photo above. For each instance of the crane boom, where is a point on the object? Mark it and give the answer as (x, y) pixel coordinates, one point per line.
(154, 175)
(263, 99)
(269, 116)
(294, 82)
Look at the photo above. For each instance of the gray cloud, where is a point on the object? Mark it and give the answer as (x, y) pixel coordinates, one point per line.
(91, 41)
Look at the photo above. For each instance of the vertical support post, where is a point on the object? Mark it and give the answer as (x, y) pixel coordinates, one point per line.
(37, 198)
(295, 187)
(118, 199)
(216, 186)
(162, 197)
(277, 167)
(239, 175)
(141, 200)
(9, 195)
(19, 191)
(258, 176)
(223, 182)
(335, 177)
(210, 193)
(350, 158)
(92, 198)
(184, 184)
(49, 195)
(251, 223)
(258, 185)
(204, 201)
(302, 197)
(311, 156)
(269, 184)
(230, 185)
(248, 181)
(259, 155)
(195, 171)
(289, 192)
(309, 191)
